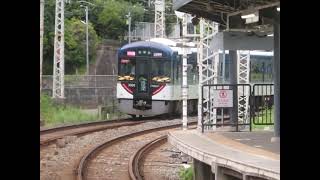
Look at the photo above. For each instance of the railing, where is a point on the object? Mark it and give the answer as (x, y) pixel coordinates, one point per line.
(220, 108)
(86, 90)
(262, 104)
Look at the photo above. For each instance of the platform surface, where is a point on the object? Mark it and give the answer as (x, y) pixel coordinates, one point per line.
(246, 152)
(256, 139)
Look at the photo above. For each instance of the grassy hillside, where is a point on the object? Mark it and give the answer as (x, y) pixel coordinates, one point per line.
(54, 114)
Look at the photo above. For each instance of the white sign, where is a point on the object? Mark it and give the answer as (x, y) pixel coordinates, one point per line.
(222, 98)
(131, 53)
(157, 54)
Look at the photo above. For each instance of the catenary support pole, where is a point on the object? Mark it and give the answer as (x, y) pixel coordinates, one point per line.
(184, 77)
(276, 75)
(233, 80)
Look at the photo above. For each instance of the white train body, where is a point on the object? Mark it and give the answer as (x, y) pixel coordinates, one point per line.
(161, 96)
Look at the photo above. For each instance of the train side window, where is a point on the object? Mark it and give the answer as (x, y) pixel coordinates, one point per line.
(179, 69)
(175, 72)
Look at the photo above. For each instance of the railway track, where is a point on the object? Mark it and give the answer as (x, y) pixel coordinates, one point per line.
(144, 163)
(44, 131)
(63, 162)
(50, 135)
(139, 155)
(110, 159)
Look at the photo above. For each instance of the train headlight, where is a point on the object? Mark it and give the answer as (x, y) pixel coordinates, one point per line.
(120, 78)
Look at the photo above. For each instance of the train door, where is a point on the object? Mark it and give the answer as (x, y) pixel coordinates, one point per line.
(142, 97)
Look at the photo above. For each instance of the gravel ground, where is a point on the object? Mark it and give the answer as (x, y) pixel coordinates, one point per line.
(59, 161)
(164, 163)
(112, 162)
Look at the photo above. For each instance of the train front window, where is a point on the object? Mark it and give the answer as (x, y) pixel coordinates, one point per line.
(161, 70)
(126, 69)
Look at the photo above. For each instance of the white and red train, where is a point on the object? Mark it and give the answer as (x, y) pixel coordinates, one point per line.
(150, 78)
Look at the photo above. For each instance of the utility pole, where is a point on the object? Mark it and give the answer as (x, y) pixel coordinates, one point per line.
(41, 38)
(129, 30)
(87, 39)
(87, 32)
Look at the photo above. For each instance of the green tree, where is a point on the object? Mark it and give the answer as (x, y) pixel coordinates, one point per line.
(75, 45)
(170, 17)
(112, 19)
(49, 10)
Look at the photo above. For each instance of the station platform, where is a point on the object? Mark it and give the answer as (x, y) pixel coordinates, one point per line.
(249, 155)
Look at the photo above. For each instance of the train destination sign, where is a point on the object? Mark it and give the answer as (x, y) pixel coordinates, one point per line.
(131, 53)
(222, 98)
(157, 54)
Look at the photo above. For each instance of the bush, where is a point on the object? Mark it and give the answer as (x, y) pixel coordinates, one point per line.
(262, 114)
(186, 174)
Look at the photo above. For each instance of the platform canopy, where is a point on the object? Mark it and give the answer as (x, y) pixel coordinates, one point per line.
(229, 40)
(229, 12)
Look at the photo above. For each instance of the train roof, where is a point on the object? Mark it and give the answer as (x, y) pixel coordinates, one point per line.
(173, 45)
(169, 46)
(254, 53)
(147, 44)
(164, 41)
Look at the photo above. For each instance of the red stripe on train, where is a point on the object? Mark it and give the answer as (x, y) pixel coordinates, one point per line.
(126, 87)
(130, 90)
(158, 90)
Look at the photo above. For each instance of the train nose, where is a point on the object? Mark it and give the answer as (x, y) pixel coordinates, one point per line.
(141, 104)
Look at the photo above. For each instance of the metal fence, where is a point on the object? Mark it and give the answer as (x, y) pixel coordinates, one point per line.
(254, 105)
(262, 104)
(218, 111)
(87, 91)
